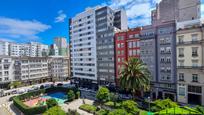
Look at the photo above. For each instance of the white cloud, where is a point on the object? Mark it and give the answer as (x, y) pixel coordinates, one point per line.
(21, 29)
(7, 40)
(138, 11)
(61, 16)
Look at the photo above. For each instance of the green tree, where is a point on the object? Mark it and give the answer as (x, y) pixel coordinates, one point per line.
(135, 76)
(103, 94)
(15, 84)
(51, 103)
(130, 106)
(113, 97)
(56, 110)
(77, 94)
(159, 105)
(70, 95)
(200, 109)
(118, 112)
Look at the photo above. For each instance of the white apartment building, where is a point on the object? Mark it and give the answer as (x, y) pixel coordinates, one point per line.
(4, 48)
(190, 62)
(31, 69)
(54, 51)
(33, 49)
(83, 46)
(58, 67)
(6, 71)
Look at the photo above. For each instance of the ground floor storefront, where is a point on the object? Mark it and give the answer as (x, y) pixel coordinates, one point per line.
(163, 93)
(190, 94)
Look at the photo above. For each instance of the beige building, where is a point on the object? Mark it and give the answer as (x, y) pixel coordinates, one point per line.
(59, 68)
(190, 62)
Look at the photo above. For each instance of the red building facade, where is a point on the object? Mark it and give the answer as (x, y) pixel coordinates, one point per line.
(126, 46)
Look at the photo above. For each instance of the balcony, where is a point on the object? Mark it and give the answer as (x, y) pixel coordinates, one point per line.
(189, 42)
(190, 67)
(181, 55)
(194, 55)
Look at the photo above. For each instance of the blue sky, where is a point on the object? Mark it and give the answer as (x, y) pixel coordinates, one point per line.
(42, 20)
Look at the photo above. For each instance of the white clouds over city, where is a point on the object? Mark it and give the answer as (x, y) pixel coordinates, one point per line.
(15, 29)
(61, 16)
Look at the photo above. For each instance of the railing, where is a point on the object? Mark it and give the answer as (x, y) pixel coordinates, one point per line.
(190, 42)
(190, 67)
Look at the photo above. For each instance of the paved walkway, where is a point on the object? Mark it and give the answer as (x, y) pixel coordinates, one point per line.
(74, 105)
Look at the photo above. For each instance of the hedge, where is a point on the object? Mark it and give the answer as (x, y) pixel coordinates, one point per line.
(88, 108)
(17, 100)
(26, 109)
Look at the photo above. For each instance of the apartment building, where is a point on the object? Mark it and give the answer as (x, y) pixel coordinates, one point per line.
(4, 48)
(61, 43)
(127, 45)
(83, 48)
(58, 67)
(31, 70)
(94, 31)
(32, 49)
(6, 71)
(164, 19)
(148, 54)
(180, 10)
(54, 51)
(108, 22)
(190, 62)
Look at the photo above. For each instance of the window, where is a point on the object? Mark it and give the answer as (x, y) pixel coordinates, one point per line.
(118, 45)
(131, 36)
(134, 44)
(194, 77)
(130, 52)
(122, 45)
(180, 39)
(181, 52)
(118, 59)
(118, 52)
(194, 63)
(194, 37)
(194, 51)
(129, 44)
(182, 91)
(194, 89)
(122, 52)
(181, 62)
(120, 37)
(181, 76)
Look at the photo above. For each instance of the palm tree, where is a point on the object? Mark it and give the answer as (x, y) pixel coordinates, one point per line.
(135, 76)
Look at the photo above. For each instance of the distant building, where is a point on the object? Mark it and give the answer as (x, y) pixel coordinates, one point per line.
(179, 10)
(54, 50)
(61, 43)
(190, 62)
(59, 68)
(127, 44)
(6, 71)
(4, 48)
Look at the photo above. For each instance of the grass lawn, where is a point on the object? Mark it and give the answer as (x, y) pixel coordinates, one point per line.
(177, 110)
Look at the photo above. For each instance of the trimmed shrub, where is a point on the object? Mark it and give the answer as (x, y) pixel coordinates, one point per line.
(102, 112)
(88, 108)
(71, 95)
(51, 103)
(56, 110)
(119, 112)
(130, 106)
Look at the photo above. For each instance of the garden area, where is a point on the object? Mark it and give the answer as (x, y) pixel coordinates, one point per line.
(108, 103)
(45, 100)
